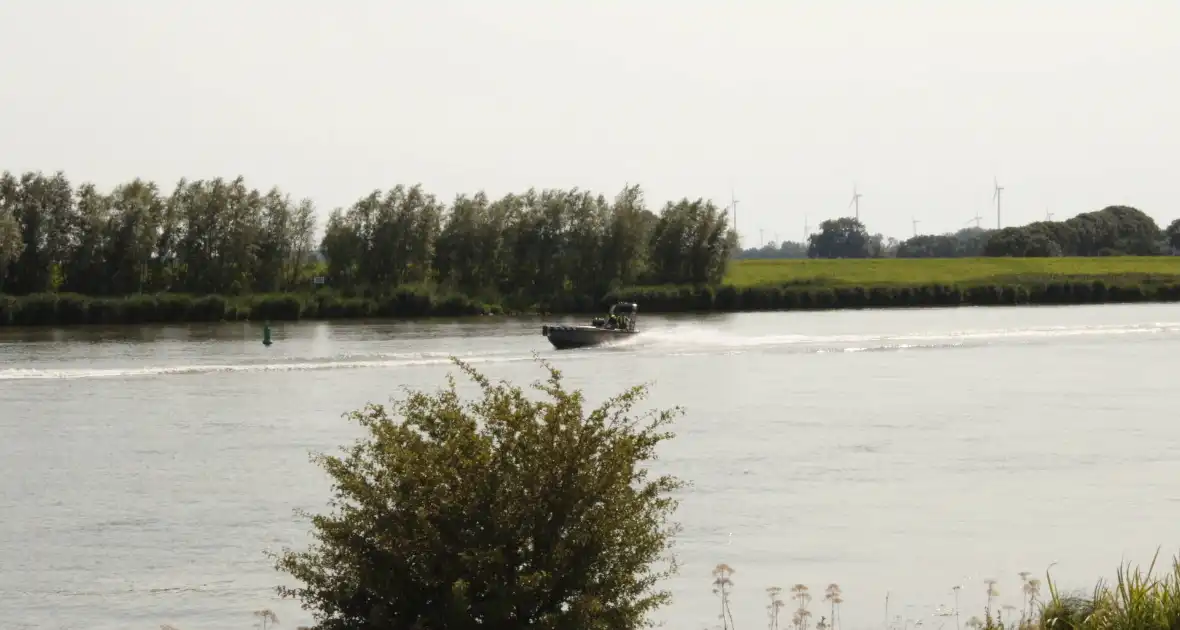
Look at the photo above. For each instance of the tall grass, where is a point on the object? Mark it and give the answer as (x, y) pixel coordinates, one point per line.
(1135, 601)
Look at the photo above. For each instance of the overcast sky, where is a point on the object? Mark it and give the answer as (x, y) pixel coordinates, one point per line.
(1072, 104)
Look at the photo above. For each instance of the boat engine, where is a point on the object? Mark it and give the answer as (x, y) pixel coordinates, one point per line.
(598, 322)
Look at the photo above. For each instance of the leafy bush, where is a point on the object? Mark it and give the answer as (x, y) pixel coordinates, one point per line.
(502, 512)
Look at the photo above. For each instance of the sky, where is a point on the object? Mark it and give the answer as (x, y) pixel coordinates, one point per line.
(920, 105)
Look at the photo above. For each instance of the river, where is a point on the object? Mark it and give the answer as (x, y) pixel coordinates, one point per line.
(146, 470)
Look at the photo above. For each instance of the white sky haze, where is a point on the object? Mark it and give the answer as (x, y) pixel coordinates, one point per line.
(1073, 105)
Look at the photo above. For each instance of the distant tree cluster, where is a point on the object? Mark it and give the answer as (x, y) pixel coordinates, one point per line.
(223, 237)
(1112, 231)
(847, 237)
(966, 243)
(774, 249)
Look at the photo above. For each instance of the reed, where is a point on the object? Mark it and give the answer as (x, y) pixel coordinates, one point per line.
(1136, 600)
(799, 293)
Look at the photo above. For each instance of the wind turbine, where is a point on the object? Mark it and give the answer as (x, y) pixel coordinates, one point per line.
(997, 196)
(806, 228)
(1048, 215)
(915, 222)
(977, 219)
(855, 201)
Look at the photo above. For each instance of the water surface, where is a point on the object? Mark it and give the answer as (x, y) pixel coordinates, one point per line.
(148, 469)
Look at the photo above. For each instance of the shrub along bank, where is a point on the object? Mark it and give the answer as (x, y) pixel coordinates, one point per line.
(805, 297)
(70, 309)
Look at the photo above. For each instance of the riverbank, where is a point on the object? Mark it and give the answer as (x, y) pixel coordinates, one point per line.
(756, 285)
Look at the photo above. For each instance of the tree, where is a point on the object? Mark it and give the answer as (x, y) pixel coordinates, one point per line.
(501, 512)
(1112, 231)
(1173, 234)
(691, 242)
(1030, 241)
(10, 242)
(840, 238)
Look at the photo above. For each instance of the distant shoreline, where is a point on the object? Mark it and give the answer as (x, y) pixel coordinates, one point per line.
(66, 309)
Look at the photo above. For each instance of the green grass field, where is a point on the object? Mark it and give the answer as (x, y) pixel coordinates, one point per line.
(949, 271)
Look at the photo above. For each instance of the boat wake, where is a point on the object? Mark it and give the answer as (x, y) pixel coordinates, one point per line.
(698, 338)
(293, 364)
(679, 340)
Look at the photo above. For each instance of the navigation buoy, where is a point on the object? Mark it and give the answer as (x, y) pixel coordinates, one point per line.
(266, 334)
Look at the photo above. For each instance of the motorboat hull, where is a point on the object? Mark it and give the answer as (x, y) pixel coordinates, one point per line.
(567, 337)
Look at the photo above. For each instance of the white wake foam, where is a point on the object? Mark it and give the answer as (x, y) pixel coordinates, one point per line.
(704, 338)
(680, 340)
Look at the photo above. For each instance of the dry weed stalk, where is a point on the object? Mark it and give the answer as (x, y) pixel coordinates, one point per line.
(266, 619)
(722, 585)
(775, 606)
(834, 597)
(799, 593)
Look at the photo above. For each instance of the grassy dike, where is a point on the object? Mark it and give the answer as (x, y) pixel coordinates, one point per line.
(754, 285)
(760, 285)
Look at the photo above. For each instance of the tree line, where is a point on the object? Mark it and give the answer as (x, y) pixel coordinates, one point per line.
(224, 237)
(1112, 231)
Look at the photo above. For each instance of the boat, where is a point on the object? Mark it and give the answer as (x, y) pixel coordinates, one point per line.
(618, 325)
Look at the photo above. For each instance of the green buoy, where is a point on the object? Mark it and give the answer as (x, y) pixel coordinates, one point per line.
(266, 334)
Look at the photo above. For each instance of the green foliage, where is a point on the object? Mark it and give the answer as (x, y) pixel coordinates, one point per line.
(67, 309)
(1173, 236)
(691, 243)
(1112, 231)
(966, 243)
(785, 249)
(1136, 600)
(10, 242)
(500, 512)
(46, 309)
(205, 237)
(222, 237)
(841, 238)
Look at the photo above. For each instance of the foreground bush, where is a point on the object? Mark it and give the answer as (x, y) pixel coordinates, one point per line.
(496, 513)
